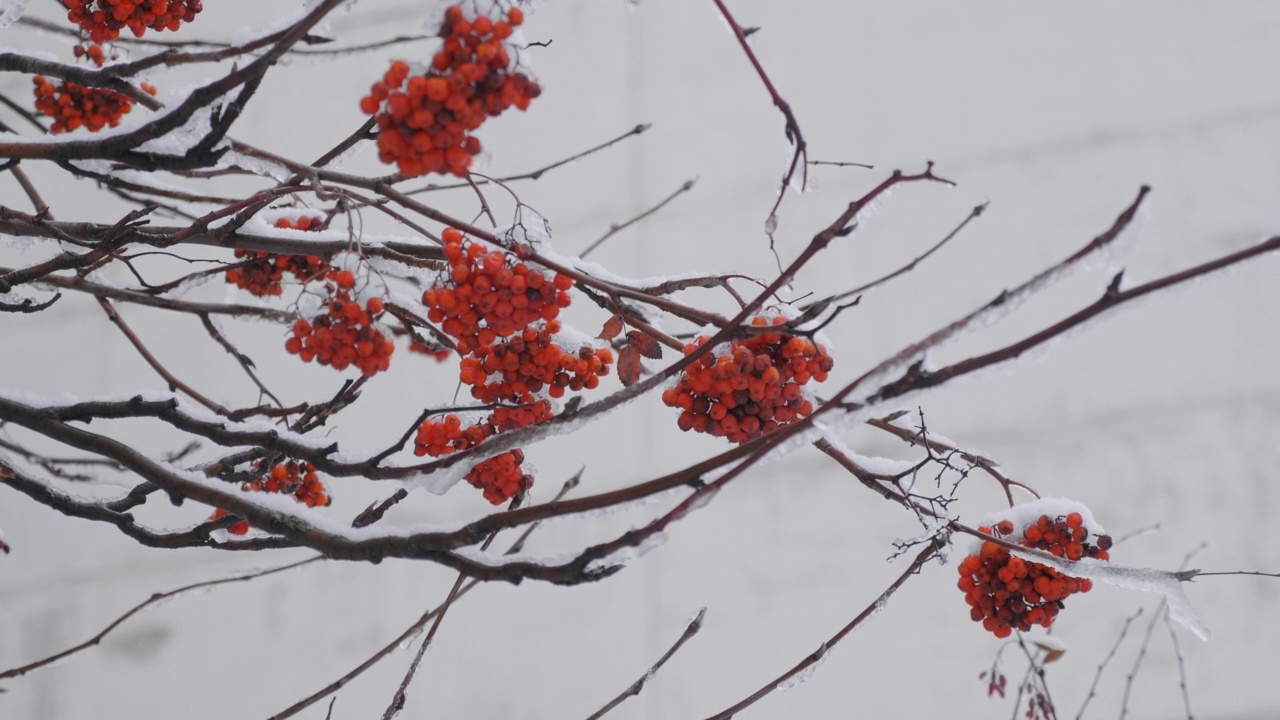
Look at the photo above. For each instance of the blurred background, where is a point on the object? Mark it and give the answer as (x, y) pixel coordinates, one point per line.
(1165, 414)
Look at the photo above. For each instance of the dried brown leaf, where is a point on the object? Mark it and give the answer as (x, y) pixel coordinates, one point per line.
(612, 327)
(646, 345)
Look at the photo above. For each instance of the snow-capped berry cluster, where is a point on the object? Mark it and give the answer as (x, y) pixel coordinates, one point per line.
(489, 294)
(345, 334)
(425, 120)
(260, 273)
(515, 369)
(75, 106)
(295, 478)
(501, 477)
(104, 19)
(752, 388)
(1005, 592)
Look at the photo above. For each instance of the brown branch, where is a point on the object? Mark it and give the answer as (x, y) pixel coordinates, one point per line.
(1093, 687)
(973, 214)
(174, 383)
(199, 536)
(413, 629)
(155, 598)
(792, 129)
(123, 147)
(245, 362)
(635, 689)
(398, 700)
(537, 174)
(987, 465)
(1112, 298)
(616, 228)
(138, 298)
(816, 656)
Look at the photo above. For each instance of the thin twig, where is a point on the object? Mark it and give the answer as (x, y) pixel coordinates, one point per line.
(638, 685)
(536, 174)
(1093, 687)
(813, 658)
(413, 629)
(158, 597)
(616, 228)
(800, 157)
(174, 383)
(973, 214)
(1182, 668)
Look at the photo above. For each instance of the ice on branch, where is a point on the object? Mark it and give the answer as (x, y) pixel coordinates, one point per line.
(12, 12)
(1026, 514)
(1148, 580)
(1022, 517)
(625, 555)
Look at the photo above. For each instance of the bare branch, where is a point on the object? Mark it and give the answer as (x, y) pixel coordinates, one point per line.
(816, 656)
(638, 686)
(157, 597)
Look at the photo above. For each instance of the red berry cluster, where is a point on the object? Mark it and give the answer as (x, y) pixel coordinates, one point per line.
(75, 106)
(425, 120)
(753, 388)
(295, 478)
(501, 477)
(502, 315)
(514, 370)
(1005, 592)
(94, 52)
(262, 272)
(345, 335)
(447, 436)
(104, 19)
(490, 295)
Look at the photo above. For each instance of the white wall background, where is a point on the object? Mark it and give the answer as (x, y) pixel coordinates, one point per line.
(1165, 414)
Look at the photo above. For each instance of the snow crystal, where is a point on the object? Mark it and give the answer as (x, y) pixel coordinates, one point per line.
(258, 166)
(1048, 642)
(625, 555)
(1161, 582)
(876, 465)
(627, 506)
(12, 12)
(490, 561)
(1027, 513)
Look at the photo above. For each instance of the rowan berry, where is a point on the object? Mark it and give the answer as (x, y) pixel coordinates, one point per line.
(95, 54)
(447, 436)
(296, 478)
(104, 19)
(489, 294)
(261, 273)
(1005, 592)
(532, 362)
(345, 334)
(425, 120)
(501, 477)
(751, 388)
(75, 106)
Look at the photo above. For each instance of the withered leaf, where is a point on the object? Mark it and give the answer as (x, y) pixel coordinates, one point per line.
(612, 327)
(646, 345)
(629, 365)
